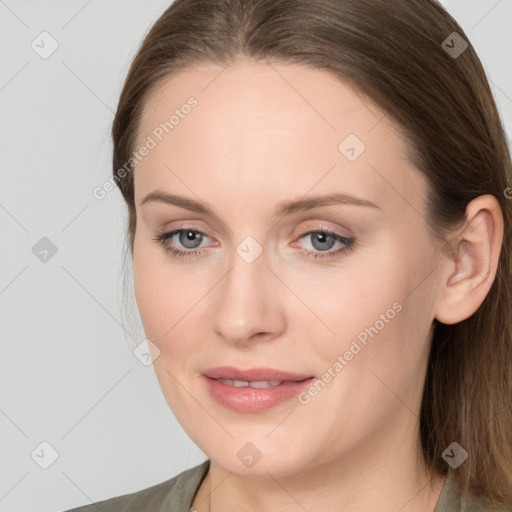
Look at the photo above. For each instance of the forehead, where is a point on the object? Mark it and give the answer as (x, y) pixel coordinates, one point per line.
(246, 93)
(266, 127)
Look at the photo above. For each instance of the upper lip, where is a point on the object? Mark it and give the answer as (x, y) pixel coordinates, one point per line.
(253, 374)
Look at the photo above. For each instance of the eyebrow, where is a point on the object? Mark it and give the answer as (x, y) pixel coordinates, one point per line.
(283, 208)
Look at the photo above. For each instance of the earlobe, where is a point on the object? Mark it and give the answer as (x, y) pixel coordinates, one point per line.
(473, 268)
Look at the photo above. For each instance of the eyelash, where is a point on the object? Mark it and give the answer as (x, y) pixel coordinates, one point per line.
(161, 239)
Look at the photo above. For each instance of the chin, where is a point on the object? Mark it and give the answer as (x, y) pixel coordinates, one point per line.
(257, 460)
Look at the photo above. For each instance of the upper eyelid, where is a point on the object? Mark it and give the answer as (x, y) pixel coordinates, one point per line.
(317, 226)
(171, 232)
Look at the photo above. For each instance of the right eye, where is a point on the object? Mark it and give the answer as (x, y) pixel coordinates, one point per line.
(187, 240)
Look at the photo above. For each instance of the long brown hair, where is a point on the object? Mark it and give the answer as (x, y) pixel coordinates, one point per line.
(398, 54)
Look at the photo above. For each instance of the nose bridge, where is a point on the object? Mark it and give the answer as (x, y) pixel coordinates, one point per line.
(246, 300)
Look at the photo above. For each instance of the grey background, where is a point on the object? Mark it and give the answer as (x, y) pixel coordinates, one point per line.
(68, 375)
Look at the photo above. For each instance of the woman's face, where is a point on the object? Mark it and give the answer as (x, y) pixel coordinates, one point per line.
(343, 291)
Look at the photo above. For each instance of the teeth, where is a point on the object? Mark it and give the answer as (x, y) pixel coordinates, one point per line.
(252, 384)
(265, 383)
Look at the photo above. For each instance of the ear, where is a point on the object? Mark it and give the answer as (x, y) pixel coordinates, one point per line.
(476, 251)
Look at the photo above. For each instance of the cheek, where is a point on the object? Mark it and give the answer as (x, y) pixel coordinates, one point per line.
(155, 292)
(367, 318)
(171, 300)
(340, 303)
(374, 313)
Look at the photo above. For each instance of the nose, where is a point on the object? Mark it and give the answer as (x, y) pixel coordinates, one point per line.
(248, 302)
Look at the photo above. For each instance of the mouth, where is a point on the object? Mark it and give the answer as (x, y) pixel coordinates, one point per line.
(252, 384)
(253, 390)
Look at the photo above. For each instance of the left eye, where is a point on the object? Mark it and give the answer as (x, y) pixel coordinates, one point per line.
(322, 241)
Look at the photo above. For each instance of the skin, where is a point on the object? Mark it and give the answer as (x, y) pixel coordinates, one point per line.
(262, 134)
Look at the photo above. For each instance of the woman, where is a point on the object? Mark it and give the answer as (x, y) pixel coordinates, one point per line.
(319, 217)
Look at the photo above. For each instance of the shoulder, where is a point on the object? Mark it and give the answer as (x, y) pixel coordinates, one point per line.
(475, 504)
(173, 495)
(453, 500)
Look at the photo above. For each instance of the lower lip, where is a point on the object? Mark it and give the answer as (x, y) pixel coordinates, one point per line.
(254, 399)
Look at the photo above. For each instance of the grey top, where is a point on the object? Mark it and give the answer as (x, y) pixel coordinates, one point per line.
(178, 493)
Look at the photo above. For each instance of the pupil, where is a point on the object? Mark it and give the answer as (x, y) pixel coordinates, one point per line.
(188, 239)
(322, 239)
